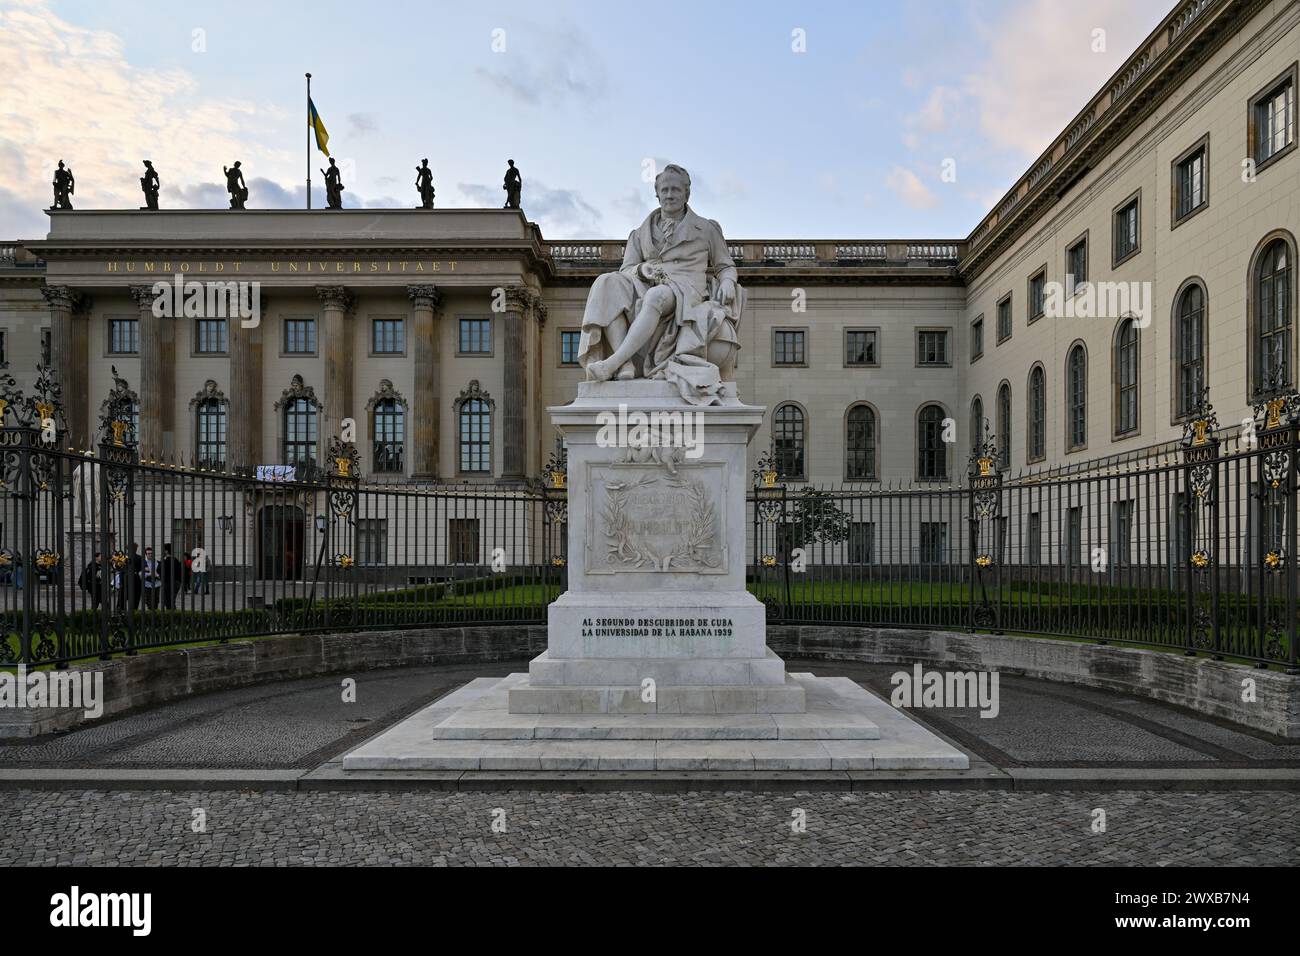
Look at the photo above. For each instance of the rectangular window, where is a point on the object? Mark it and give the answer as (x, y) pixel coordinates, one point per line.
(1076, 266)
(1273, 119)
(860, 347)
(934, 541)
(1004, 320)
(931, 347)
(388, 336)
(47, 348)
(475, 337)
(4, 347)
(210, 336)
(1121, 545)
(1037, 295)
(788, 347)
(462, 540)
(1126, 230)
(977, 338)
(862, 542)
(300, 336)
(1191, 193)
(124, 336)
(569, 339)
(1073, 536)
(372, 541)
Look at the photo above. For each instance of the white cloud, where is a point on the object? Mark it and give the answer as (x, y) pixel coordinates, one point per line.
(1040, 68)
(908, 187)
(84, 103)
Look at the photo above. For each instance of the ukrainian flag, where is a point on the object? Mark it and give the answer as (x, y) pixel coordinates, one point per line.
(314, 122)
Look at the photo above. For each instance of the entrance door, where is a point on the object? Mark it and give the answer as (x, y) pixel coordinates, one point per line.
(280, 538)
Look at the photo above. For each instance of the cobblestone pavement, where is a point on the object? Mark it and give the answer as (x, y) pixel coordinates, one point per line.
(442, 828)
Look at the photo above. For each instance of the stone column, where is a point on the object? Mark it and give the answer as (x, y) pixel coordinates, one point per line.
(69, 342)
(153, 377)
(514, 405)
(426, 408)
(336, 347)
(244, 411)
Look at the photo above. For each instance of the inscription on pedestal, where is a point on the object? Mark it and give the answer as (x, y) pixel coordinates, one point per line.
(674, 627)
(648, 518)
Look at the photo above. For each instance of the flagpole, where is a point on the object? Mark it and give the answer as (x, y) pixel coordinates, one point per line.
(309, 141)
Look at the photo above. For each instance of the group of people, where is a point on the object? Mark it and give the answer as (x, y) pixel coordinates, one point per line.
(153, 580)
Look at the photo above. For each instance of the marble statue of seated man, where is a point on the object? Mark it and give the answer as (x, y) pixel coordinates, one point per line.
(671, 310)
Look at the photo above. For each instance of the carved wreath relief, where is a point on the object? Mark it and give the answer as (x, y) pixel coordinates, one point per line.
(651, 518)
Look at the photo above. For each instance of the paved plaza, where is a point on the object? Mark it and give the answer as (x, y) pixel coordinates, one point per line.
(274, 747)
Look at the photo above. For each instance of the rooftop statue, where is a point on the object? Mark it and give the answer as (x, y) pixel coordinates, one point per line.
(513, 185)
(236, 186)
(671, 310)
(333, 186)
(64, 187)
(424, 183)
(150, 185)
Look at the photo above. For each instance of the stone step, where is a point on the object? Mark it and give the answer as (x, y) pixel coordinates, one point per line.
(546, 669)
(679, 755)
(786, 698)
(488, 723)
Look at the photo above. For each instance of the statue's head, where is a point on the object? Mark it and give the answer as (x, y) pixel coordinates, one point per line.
(673, 187)
(424, 162)
(331, 160)
(510, 162)
(236, 164)
(149, 164)
(60, 164)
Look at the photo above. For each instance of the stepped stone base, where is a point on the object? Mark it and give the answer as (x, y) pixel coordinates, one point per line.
(785, 698)
(844, 727)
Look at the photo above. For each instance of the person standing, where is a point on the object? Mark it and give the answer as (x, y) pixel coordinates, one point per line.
(151, 579)
(92, 580)
(199, 565)
(171, 574)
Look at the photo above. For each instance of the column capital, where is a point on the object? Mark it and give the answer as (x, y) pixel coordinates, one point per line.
(143, 294)
(518, 298)
(336, 297)
(65, 297)
(424, 296)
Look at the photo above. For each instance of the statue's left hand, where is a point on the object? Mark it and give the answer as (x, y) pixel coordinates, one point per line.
(725, 293)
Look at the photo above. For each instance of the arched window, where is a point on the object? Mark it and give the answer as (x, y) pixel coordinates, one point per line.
(976, 424)
(389, 436)
(1126, 377)
(1037, 418)
(932, 456)
(299, 431)
(1076, 398)
(1004, 425)
(1273, 318)
(473, 409)
(210, 434)
(860, 444)
(1189, 348)
(788, 440)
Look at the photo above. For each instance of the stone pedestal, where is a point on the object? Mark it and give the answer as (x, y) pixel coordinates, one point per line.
(656, 618)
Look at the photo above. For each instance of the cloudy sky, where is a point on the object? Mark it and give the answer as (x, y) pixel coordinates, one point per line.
(845, 138)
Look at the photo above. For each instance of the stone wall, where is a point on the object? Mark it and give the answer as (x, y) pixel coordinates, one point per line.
(1209, 687)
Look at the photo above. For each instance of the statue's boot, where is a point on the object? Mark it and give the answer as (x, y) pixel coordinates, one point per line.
(627, 372)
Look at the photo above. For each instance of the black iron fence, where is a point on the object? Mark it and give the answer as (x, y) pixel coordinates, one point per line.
(1191, 547)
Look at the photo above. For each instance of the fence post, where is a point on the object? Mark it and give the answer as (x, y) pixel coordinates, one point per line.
(343, 484)
(1201, 514)
(985, 508)
(1276, 550)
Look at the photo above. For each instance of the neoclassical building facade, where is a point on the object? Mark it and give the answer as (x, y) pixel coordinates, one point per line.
(1148, 255)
